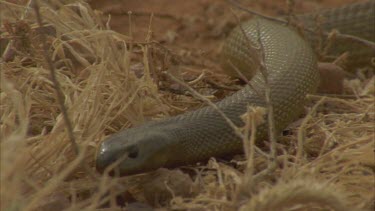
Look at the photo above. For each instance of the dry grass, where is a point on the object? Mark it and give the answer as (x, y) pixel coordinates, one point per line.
(103, 94)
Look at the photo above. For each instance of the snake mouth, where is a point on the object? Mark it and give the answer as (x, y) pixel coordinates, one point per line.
(123, 166)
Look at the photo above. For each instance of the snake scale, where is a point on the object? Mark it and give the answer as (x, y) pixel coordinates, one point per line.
(198, 135)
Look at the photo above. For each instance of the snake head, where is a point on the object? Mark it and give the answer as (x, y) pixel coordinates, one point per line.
(133, 151)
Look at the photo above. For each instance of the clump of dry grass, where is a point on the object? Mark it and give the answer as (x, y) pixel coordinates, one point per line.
(98, 92)
(103, 94)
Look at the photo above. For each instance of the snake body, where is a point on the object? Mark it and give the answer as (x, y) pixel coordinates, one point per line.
(291, 67)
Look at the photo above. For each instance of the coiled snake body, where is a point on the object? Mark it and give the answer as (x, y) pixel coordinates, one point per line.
(198, 135)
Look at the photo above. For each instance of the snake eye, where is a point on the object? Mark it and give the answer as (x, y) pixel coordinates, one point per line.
(133, 152)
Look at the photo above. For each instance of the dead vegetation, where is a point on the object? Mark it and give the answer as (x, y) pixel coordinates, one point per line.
(110, 82)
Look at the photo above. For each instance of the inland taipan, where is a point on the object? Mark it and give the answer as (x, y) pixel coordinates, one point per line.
(291, 66)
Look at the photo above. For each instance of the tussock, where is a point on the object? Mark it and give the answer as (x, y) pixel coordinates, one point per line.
(103, 94)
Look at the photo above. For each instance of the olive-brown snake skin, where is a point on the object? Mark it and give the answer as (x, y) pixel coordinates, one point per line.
(198, 135)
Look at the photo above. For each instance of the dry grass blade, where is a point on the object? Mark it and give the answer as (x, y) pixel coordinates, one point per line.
(297, 194)
(60, 95)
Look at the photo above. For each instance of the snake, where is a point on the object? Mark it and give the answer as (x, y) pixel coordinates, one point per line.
(290, 72)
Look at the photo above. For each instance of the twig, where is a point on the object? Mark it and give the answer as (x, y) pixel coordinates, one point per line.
(260, 56)
(8, 50)
(319, 34)
(251, 47)
(250, 149)
(208, 102)
(240, 7)
(290, 6)
(242, 77)
(120, 11)
(148, 61)
(199, 78)
(348, 37)
(219, 86)
(130, 43)
(270, 113)
(301, 134)
(238, 72)
(352, 38)
(130, 24)
(60, 95)
(265, 173)
(269, 104)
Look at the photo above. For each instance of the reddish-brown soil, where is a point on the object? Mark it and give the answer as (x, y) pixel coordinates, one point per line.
(198, 26)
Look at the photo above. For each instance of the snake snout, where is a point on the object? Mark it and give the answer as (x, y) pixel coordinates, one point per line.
(133, 151)
(104, 158)
(115, 158)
